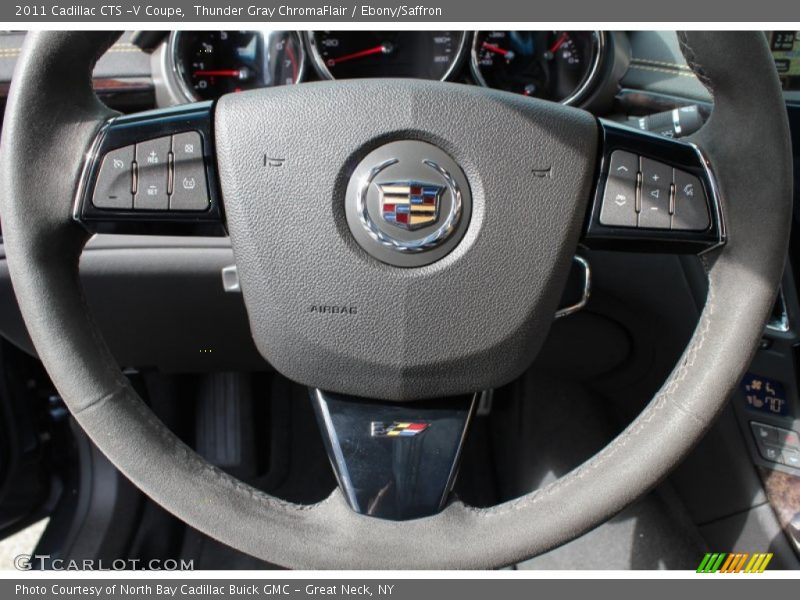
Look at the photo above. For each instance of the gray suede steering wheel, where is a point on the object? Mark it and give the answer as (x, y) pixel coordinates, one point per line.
(51, 120)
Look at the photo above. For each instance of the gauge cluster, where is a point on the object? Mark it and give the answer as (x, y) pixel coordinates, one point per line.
(563, 66)
(356, 54)
(209, 64)
(557, 65)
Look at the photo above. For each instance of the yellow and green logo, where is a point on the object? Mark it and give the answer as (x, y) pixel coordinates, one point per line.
(741, 562)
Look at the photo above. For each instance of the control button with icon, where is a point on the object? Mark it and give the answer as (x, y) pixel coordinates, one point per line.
(152, 158)
(648, 194)
(164, 173)
(189, 191)
(114, 186)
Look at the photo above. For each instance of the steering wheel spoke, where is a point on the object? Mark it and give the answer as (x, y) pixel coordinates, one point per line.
(152, 173)
(394, 461)
(654, 194)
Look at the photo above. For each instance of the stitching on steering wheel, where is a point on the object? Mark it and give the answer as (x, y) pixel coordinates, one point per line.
(689, 55)
(186, 454)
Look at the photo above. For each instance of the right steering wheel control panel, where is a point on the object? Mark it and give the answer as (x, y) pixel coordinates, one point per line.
(653, 194)
(642, 192)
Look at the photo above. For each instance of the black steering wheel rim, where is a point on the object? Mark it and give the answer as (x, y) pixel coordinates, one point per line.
(51, 119)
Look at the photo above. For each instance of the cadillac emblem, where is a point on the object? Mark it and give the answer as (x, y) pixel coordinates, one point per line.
(407, 203)
(378, 429)
(410, 205)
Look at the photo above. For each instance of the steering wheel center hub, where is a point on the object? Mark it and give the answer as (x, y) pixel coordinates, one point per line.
(408, 203)
(364, 257)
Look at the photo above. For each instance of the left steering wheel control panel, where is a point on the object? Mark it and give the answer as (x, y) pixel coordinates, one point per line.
(152, 173)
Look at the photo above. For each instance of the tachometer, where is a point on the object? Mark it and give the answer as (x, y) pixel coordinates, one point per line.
(212, 63)
(418, 54)
(556, 65)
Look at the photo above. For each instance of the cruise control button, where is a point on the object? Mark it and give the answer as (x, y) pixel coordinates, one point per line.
(656, 183)
(152, 161)
(189, 187)
(114, 184)
(691, 206)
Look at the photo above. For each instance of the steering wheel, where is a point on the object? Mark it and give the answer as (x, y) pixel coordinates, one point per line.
(396, 240)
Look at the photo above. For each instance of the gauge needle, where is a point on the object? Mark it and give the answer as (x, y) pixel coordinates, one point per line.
(559, 42)
(218, 73)
(382, 49)
(498, 50)
(293, 60)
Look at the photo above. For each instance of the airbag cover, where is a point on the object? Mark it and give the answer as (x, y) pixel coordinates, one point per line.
(328, 314)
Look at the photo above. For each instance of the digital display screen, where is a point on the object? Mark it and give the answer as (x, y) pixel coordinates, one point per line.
(785, 46)
(764, 395)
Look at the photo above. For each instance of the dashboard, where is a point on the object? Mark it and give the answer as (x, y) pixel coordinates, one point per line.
(785, 46)
(562, 66)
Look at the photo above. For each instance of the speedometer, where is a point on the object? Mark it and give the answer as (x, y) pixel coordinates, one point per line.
(418, 54)
(212, 63)
(556, 65)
